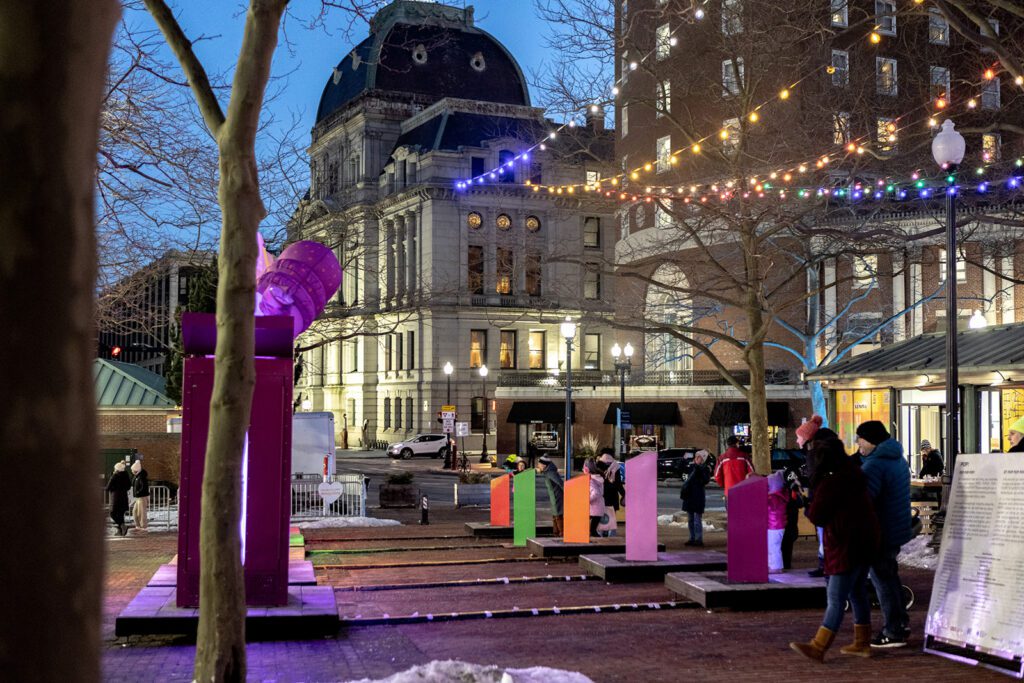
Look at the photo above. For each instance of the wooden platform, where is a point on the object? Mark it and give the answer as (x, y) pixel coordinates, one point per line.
(300, 573)
(615, 568)
(311, 610)
(485, 530)
(789, 590)
(556, 547)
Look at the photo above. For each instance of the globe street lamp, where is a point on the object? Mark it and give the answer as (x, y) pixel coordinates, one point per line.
(622, 367)
(448, 370)
(568, 329)
(483, 379)
(948, 149)
(977, 321)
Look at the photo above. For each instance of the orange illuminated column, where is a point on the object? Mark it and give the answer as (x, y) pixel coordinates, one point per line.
(500, 495)
(576, 510)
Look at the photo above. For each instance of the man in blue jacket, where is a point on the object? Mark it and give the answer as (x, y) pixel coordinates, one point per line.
(888, 476)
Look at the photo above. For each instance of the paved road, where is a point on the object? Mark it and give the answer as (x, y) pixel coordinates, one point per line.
(439, 487)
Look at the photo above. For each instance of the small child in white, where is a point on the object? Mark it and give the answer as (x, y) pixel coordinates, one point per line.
(776, 521)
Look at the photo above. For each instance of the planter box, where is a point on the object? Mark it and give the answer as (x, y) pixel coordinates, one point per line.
(399, 496)
(472, 494)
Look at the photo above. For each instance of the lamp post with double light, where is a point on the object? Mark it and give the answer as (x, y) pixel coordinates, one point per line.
(483, 379)
(568, 329)
(622, 367)
(948, 148)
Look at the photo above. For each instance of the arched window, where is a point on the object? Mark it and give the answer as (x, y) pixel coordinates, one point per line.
(669, 304)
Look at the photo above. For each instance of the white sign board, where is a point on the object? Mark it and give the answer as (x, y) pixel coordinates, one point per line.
(975, 603)
(449, 425)
(461, 429)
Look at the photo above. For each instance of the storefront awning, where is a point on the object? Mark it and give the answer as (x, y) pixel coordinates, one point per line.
(729, 413)
(663, 413)
(539, 412)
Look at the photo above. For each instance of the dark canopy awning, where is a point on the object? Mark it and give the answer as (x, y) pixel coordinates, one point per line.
(665, 413)
(729, 413)
(527, 412)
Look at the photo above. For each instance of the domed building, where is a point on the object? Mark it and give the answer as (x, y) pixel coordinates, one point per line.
(430, 177)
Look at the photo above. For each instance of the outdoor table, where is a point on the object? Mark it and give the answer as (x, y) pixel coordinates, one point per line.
(930, 490)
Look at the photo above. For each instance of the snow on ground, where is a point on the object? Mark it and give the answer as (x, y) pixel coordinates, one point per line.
(336, 522)
(670, 520)
(916, 553)
(454, 671)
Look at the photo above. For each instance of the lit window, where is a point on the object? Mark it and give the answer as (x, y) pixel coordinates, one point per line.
(840, 68)
(990, 94)
(663, 101)
(507, 349)
(938, 28)
(865, 270)
(939, 76)
(731, 142)
(537, 343)
(886, 82)
(662, 42)
(663, 152)
(885, 16)
(477, 348)
(840, 13)
(591, 352)
(961, 267)
(732, 76)
(592, 232)
(504, 269)
(885, 133)
(841, 127)
(990, 147)
(732, 17)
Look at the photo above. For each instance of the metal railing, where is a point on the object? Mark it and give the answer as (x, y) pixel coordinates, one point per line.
(162, 513)
(307, 503)
(542, 378)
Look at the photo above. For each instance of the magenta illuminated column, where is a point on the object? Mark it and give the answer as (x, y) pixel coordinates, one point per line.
(747, 533)
(642, 507)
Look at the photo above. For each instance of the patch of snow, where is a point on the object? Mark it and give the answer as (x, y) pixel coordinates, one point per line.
(916, 553)
(337, 522)
(455, 671)
(669, 520)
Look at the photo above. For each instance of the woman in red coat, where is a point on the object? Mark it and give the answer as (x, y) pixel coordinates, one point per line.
(842, 507)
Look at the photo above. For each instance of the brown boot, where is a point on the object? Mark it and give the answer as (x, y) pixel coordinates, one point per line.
(816, 648)
(861, 641)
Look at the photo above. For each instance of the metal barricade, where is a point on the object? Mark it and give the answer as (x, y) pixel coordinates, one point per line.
(307, 502)
(162, 514)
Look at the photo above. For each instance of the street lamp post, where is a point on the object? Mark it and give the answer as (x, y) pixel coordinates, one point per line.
(483, 379)
(568, 330)
(948, 148)
(622, 367)
(448, 370)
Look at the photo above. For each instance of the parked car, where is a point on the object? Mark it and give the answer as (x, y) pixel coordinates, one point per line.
(433, 445)
(675, 462)
(782, 457)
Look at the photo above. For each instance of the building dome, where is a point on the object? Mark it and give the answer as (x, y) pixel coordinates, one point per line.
(427, 49)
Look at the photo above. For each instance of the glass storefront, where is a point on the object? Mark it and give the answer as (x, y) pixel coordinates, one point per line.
(856, 406)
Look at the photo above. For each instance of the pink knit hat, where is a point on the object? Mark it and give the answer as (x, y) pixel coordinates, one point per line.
(807, 430)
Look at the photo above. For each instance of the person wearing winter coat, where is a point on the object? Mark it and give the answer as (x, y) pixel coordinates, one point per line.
(805, 435)
(888, 477)
(590, 469)
(1017, 436)
(556, 491)
(842, 506)
(140, 491)
(118, 486)
(931, 461)
(692, 493)
(777, 501)
(613, 493)
(733, 467)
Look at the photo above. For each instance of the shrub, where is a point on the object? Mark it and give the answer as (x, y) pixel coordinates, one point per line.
(474, 478)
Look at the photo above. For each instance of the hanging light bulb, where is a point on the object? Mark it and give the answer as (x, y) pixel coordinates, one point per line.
(784, 94)
(696, 148)
(989, 74)
(875, 38)
(972, 103)
(754, 117)
(723, 134)
(699, 13)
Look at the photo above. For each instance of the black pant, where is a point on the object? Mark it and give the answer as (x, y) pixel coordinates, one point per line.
(594, 521)
(790, 535)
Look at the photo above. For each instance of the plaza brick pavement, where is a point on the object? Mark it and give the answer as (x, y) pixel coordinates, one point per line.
(686, 643)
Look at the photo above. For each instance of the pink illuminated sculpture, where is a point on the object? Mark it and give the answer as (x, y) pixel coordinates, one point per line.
(298, 283)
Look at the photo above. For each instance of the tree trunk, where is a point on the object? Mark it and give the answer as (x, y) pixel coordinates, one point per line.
(53, 59)
(757, 398)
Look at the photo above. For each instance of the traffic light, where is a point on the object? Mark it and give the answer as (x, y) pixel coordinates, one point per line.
(115, 351)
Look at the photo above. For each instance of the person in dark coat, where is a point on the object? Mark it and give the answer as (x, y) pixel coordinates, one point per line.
(694, 499)
(842, 507)
(140, 492)
(614, 491)
(118, 486)
(931, 461)
(888, 475)
(556, 491)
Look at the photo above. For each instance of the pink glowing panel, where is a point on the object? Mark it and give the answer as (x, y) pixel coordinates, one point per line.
(299, 283)
(642, 508)
(747, 534)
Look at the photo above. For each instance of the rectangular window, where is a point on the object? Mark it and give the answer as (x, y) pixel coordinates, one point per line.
(411, 349)
(662, 42)
(993, 34)
(591, 352)
(885, 16)
(732, 76)
(400, 351)
(625, 119)
(352, 360)
(476, 420)
(592, 232)
(536, 172)
(387, 413)
(476, 269)
(593, 178)
(663, 99)
(991, 147)
(865, 270)
(841, 127)
(732, 17)
(592, 282)
(533, 273)
(537, 349)
(507, 349)
(398, 414)
(388, 353)
(840, 68)
(408, 414)
(476, 166)
(939, 79)
(663, 153)
(990, 94)
(477, 348)
(840, 13)
(938, 28)
(886, 82)
(885, 133)
(961, 267)
(505, 268)
(730, 135)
